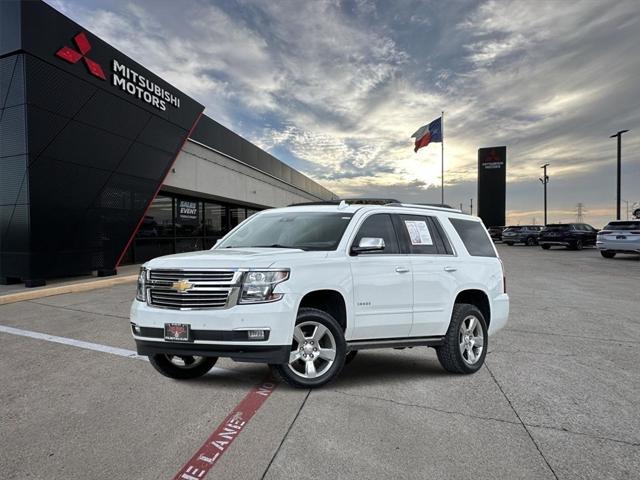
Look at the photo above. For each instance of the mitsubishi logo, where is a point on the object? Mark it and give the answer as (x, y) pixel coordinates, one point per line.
(73, 56)
(181, 286)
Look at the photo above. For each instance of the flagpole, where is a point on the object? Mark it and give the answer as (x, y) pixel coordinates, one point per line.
(442, 156)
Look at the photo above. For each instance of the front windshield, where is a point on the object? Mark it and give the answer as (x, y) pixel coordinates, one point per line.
(303, 230)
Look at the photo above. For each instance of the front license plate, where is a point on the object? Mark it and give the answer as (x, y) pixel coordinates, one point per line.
(621, 237)
(177, 332)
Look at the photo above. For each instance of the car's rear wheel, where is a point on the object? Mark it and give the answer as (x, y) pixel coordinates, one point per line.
(182, 367)
(607, 254)
(317, 353)
(577, 245)
(465, 344)
(531, 241)
(545, 246)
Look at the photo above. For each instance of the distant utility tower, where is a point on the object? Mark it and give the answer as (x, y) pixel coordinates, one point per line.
(580, 211)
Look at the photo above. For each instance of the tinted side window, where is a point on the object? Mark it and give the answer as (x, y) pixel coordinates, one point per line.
(418, 234)
(379, 226)
(474, 237)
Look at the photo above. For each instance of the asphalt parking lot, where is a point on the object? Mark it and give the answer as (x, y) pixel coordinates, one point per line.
(558, 397)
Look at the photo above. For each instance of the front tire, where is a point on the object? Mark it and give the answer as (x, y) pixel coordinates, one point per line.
(509, 243)
(182, 368)
(465, 344)
(545, 246)
(607, 254)
(531, 242)
(318, 351)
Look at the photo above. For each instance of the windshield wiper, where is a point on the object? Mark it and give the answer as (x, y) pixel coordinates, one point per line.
(275, 245)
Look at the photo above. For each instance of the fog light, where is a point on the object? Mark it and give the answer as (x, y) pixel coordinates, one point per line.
(136, 329)
(255, 334)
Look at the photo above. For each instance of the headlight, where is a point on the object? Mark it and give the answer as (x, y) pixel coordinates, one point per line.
(257, 287)
(141, 290)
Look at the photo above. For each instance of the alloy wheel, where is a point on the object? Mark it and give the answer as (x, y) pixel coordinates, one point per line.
(471, 339)
(313, 350)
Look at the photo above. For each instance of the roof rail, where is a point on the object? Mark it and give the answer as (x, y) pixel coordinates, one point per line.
(370, 201)
(440, 207)
(304, 204)
(350, 201)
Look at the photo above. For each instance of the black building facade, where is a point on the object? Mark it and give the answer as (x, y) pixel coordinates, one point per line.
(87, 137)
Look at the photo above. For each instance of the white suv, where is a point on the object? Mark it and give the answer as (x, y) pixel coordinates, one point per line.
(303, 288)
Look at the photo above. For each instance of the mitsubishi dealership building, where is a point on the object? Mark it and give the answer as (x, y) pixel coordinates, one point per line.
(103, 163)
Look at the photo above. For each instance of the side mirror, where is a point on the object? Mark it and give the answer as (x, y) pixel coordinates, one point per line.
(368, 244)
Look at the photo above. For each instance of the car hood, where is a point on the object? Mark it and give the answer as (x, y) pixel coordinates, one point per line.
(228, 258)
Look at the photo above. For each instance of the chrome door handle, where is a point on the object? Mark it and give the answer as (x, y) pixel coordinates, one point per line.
(450, 269)
(402, 270)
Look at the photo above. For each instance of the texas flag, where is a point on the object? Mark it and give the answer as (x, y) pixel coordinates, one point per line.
(427, 134)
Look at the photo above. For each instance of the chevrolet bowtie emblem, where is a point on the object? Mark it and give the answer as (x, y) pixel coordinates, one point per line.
(181, 286)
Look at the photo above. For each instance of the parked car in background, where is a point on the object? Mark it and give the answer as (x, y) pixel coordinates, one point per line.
(527, 234)
(496, 233)
(620, 236)
(575, 236)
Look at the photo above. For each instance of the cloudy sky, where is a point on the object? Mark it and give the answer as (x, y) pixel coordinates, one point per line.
(336, 88)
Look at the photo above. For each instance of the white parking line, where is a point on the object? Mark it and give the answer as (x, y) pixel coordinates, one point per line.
(97, 347)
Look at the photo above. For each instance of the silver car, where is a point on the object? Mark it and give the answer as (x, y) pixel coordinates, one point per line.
(620, 236)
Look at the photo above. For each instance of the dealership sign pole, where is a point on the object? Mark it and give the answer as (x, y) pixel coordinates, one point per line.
(619, 170)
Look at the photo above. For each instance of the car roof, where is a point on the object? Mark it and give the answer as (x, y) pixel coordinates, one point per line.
(345, 207)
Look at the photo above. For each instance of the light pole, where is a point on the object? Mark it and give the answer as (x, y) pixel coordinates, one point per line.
(545, 180)
(619, 136)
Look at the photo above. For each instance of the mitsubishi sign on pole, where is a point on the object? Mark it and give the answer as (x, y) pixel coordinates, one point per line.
(492, 178)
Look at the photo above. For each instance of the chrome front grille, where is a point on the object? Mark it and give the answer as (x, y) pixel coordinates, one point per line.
(192, 289)
(218, 276)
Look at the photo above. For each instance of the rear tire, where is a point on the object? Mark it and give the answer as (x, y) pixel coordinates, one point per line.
(607, 254)
(545, 246)
(577, 245)
(531, 242)
(317, 353)
(182, 368)
(465, 344)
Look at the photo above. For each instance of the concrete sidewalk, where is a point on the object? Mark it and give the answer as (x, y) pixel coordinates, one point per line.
(58, 286)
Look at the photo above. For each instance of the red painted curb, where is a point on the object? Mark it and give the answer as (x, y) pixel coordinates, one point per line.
(223, 436)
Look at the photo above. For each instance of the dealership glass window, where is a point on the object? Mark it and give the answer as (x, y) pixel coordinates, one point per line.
(237, 215)
(188, 245)
(175, 224)
(146, 249)
(215, 219)
(158, 220)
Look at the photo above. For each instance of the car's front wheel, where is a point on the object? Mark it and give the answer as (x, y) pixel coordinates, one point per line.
(465, 344)
(317, 352)
(607, 254)
(182, 367)
(531, 242)
(545, 246)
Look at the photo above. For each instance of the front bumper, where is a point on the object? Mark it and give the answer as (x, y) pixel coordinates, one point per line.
(239, 353)
(219, 332)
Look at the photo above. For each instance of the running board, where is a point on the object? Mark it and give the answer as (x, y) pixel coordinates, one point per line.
(394, 343)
